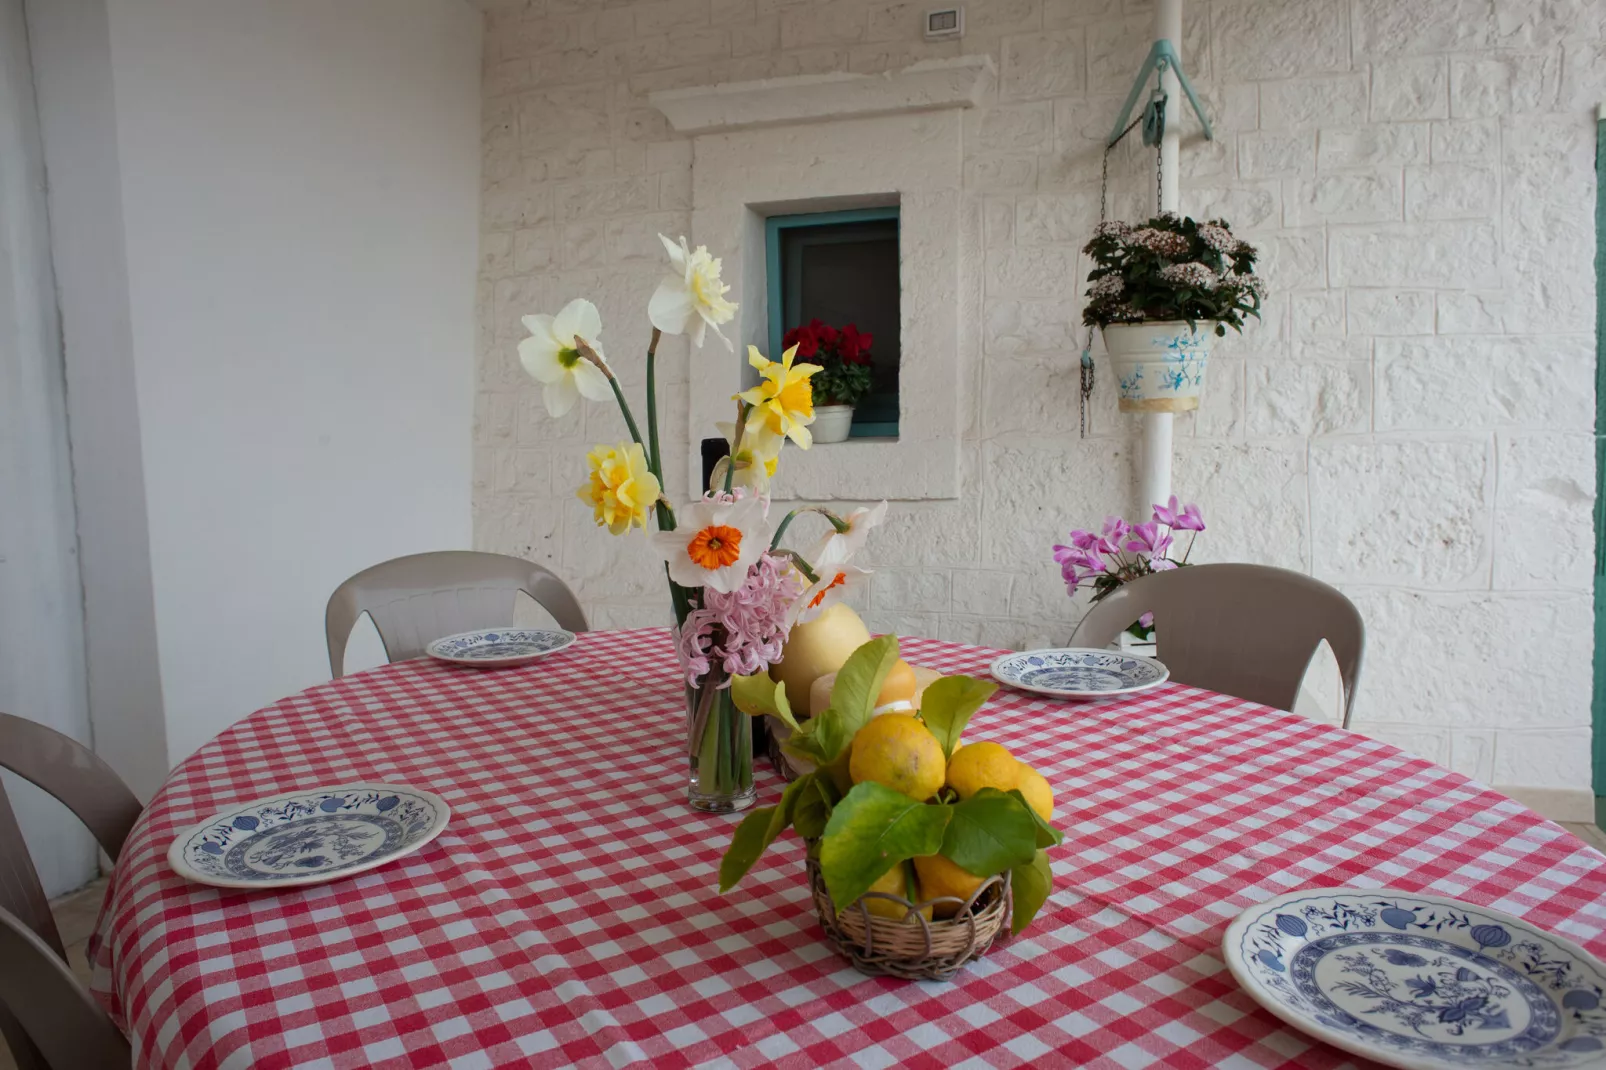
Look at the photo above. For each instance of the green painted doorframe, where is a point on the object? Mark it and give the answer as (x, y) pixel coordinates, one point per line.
(1599, 704)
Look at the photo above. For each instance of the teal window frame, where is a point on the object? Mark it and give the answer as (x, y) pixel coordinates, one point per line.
(773, 227)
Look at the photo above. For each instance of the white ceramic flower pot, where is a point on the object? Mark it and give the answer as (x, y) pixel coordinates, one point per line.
(1160, 366)
(831, 423)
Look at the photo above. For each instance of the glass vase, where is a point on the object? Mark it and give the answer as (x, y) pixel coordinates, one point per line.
(719, 748)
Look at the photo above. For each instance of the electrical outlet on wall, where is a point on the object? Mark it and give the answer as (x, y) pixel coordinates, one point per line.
(945, 22)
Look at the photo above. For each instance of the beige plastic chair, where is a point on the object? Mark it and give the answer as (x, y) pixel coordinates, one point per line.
(1243, 630)
(417, 599)
(47, 1018)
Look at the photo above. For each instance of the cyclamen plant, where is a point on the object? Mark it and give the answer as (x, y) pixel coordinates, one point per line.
(1171, 268)
(843, 356)
(1122, 552)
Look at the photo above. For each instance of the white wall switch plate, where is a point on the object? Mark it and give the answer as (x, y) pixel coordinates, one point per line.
(945, 22)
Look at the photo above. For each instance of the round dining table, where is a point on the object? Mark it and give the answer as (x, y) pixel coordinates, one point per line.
(569, 914)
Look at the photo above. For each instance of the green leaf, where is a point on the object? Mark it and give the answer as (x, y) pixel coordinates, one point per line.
(871, 830)
(948, 704)
(805, 742)
(990, 832)
(758, 696)
(853, 694)
(1031, 884)
(1047, 835)
(756, 832)
(814, 807)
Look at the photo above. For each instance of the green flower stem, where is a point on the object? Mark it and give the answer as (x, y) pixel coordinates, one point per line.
(802, 565)
(630, 419)
(837, 522)
(655, 462)
(736, 443)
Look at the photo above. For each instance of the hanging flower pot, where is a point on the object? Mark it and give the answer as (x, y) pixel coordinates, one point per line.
(1158, 291)
(1159, 367)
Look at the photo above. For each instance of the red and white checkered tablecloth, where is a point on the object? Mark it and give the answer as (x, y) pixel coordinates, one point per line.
(569, 913)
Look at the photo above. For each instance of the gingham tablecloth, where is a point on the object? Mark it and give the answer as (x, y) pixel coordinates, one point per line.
(569, 913)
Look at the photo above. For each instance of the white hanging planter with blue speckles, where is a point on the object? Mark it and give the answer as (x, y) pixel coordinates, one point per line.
(1160, 366)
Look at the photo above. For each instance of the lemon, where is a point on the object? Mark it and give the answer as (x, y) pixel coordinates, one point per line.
(982, 765)
(899, 752)
(940, 877)
(1039, 796)
(899, 880)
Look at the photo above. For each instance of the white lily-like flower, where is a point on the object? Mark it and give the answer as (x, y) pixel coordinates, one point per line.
(836, 578)
(552, 355)
(843, 545)
(715, 543)
(692, 299)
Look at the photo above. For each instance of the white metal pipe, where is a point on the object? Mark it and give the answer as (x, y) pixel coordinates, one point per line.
(1154, 483)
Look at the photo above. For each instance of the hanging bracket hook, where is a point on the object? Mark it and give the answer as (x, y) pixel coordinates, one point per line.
(1161, 55)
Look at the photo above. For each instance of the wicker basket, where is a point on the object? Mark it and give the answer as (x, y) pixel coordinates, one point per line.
(913, 948)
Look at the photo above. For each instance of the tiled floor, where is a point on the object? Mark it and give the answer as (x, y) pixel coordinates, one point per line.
(75, 917)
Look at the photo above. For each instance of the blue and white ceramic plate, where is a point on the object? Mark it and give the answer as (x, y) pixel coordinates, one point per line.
(498, 648)
(308, 837)
(1420, 981)
(1079, 672)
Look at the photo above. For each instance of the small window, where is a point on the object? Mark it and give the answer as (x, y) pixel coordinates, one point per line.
(841, 268)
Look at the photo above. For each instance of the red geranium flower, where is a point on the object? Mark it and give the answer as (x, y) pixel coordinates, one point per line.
(805, 338)
(855, 346)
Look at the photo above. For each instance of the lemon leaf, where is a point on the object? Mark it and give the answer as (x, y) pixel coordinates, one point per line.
(758, 696)
(857, 684)
(814, 808)
(805, 742)
(757, 831)
(989, 833)
(1031, 885)
(1047, 835)
(871, 830)
(947, 705)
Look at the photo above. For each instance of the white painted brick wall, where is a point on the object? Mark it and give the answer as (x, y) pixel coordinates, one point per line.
(1412, 421)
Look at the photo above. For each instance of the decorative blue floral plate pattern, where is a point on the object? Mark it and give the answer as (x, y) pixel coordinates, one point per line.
(1079, 672)
(498, 648)
(308, 837)
(1420, 981)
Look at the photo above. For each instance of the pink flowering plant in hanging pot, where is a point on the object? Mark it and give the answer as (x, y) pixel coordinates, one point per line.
(1121, 552)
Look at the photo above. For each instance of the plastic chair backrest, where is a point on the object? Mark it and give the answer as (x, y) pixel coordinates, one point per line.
(1243, 630)
(417, 599)
(46, 1016)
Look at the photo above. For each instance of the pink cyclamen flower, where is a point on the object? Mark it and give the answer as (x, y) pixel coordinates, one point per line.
(1146, 621)
(1115, 529)
(1150, 539)
(1181, 517)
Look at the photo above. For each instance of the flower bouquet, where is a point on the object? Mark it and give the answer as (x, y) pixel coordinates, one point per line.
(736, 593)
(1122, 552)
(919, 847)
(844, 376)
(1149, 288)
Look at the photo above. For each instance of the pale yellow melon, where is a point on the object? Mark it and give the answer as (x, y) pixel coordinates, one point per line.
(813, 649)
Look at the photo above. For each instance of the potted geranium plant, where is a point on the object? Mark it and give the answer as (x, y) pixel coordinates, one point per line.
(844, 376)
(1158, 291)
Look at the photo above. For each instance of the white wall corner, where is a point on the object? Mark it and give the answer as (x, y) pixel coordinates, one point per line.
(925, 86)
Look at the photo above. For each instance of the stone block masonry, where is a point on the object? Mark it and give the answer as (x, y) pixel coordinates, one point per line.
(1412, 421)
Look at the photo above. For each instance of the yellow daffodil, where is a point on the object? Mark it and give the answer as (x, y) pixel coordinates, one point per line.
(622, 490)
(756, 460)
(783, 403)
(692, 298)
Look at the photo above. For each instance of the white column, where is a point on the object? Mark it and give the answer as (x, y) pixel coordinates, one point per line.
(1155, 480)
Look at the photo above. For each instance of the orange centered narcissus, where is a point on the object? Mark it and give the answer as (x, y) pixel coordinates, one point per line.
(715, 546)
(836, 581)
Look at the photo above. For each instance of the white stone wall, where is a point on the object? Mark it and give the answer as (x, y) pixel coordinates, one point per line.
(1412, 420)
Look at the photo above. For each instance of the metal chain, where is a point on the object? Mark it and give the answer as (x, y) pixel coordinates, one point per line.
(1087, 349)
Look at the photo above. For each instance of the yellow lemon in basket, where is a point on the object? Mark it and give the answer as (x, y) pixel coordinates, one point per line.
(940, 877)
(1039, 796)
(982, 765)
(899, 880)
(899, 752)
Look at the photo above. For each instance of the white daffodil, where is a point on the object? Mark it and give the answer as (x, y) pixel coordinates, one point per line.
(715, 543)
(836, 578)
(693, 298)
(843, 545)
(552, 355)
